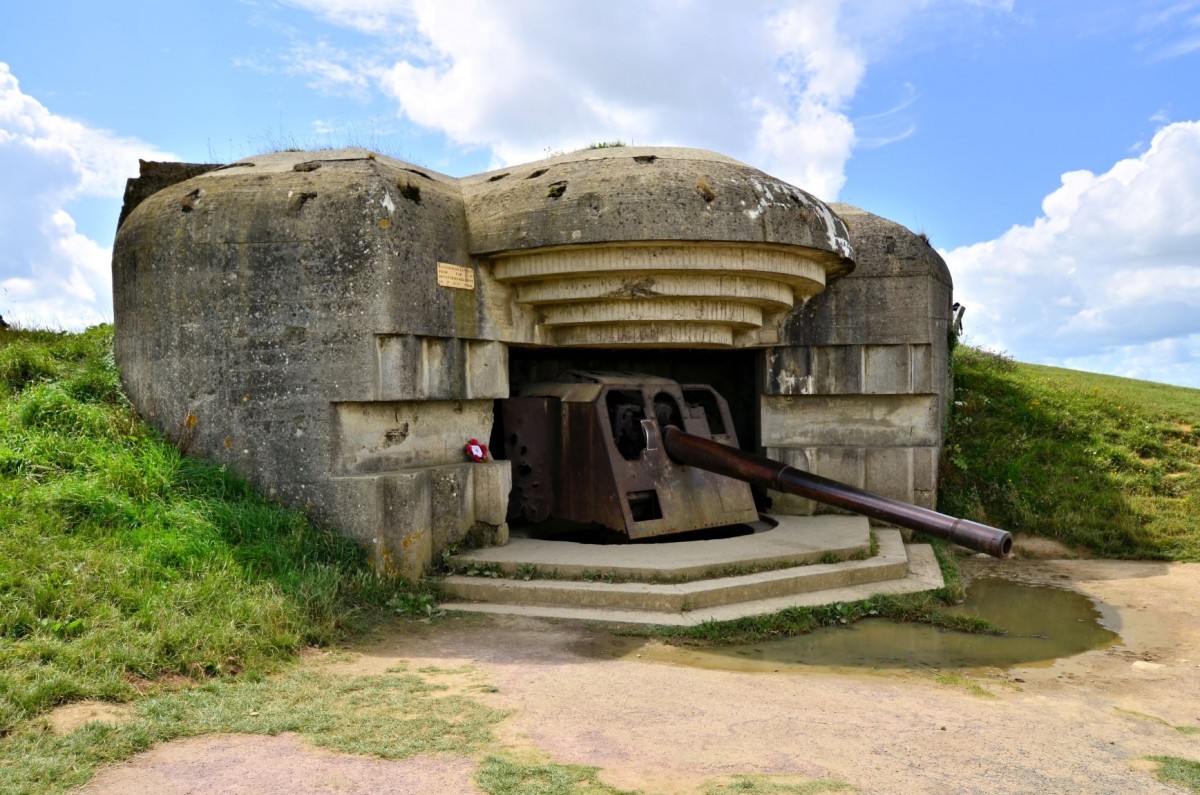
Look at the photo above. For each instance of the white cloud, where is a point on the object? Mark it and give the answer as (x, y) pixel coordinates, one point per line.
(50, 274)
(376, 17)
(1172, 31)
(326, 71)
(1108, 277)
(767, 82)
(1169, 361)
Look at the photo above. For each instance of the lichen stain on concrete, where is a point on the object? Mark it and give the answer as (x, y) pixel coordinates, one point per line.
(392, 437)
(466, 316)
(190, 200)
(634, 288)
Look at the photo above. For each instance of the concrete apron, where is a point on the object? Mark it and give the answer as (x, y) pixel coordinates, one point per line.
(689, 582)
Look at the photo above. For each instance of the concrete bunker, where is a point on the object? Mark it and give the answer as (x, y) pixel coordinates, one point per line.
(335, 325)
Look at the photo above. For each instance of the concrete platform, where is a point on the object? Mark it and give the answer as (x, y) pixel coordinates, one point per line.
(923, 574)
(891, 563)
(794, 541)
(707, 592)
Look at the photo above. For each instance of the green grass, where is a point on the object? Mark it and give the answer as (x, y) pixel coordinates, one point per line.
(391, 716)
(123, 562)
(1184, 729)
(1175, 770)
(505, 775)
(1109, 465)
(771, 785)
(965, 682)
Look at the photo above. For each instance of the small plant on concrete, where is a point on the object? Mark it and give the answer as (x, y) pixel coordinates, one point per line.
(419, 603)
(492, 570)
(528, 571)
(601, 576)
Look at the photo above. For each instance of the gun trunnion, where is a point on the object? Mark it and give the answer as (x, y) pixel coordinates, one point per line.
(646, 456)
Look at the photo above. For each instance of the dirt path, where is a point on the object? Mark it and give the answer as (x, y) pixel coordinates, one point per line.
(1081, 725)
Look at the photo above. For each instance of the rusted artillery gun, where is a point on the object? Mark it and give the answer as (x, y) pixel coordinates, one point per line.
(645, 456)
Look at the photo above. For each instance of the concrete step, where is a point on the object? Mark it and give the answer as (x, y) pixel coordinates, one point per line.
(795, 540)
(890, 564)
(923, 574)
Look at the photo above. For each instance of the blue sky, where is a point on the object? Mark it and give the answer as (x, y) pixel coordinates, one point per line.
(1050, 150)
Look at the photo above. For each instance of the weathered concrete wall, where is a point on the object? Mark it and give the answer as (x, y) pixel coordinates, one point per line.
(283, 316)
(335, 325)
(647, 194)
(154, 176)
(859, 393)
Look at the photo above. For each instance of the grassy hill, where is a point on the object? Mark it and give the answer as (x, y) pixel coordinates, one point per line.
(123, 563)
(1109, 465)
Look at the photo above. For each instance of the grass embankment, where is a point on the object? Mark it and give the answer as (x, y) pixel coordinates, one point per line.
(123, 563)
(1108, 465)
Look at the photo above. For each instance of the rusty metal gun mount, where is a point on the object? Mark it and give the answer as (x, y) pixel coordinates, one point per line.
(646, 456)
(588, 448)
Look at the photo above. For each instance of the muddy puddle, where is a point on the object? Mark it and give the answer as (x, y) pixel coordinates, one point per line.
(1044, 624)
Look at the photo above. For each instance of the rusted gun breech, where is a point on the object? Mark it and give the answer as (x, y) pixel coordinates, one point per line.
(685, 448)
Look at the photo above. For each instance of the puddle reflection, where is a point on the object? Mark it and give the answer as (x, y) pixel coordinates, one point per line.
(1044, 624)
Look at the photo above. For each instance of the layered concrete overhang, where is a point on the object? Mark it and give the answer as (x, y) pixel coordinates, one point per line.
(653, 246)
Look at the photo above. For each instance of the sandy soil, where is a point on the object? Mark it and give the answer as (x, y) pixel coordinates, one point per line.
(1080, 725)
(234, 764)
(70, 717)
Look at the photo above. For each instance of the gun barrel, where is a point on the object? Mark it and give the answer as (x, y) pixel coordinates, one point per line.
(691, 450)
